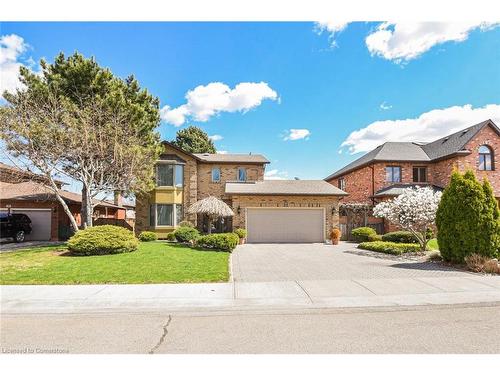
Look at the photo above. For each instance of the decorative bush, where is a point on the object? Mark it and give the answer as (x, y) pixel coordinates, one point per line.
(170, 236)
(102, 239)
(401, 236)
(148, 236)
(468, 219)
(390, 247)
(335, 234)
(480, 263)
(186, 223)
(374, 237)
(362, 234)
(186, 234)
(240, 232)
(221, 241)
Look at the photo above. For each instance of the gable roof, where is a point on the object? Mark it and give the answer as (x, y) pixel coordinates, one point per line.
(455, 142)
(397, 189)
(417, 152)
(283, 187)
(222, 158)
(32, 191)
(232, 158)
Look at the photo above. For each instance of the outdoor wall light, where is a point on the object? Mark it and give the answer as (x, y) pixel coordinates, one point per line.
(238, 210)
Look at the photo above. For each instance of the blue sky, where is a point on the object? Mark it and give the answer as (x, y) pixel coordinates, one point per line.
(327, 84)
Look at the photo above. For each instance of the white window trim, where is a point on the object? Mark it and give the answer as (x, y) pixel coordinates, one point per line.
(174, 208)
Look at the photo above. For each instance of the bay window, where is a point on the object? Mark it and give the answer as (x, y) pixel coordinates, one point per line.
(165, 215)
(169, 174)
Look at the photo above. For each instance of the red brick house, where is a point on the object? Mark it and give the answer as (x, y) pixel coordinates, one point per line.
(383, 172)
(26, 192)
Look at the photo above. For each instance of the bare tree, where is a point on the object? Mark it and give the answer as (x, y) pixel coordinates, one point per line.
(30, 130)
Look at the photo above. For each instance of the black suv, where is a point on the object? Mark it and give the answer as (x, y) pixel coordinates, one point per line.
(15, 226)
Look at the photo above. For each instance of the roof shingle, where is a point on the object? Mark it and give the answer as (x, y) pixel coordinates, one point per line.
(283, 187)
(413, 151)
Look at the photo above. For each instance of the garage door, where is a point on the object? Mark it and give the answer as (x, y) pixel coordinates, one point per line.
(285, 225)
(40, 223)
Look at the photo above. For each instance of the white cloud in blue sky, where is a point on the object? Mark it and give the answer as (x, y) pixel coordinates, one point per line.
(203, 102)
(216, 137)
(404, 41)
(332, 27)
(296, 134)
(427, 127)
(11, 49)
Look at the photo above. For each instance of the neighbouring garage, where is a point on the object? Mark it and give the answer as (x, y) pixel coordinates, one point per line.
(286, 225)
(286, 211)
(40, 223)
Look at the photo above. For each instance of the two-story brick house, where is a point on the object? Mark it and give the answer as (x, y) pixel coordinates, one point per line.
(383, 172)
(271, 211)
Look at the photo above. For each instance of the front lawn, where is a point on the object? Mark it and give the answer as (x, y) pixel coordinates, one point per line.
(153, 262)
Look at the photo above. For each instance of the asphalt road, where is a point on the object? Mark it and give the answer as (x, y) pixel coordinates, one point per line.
(436, 329)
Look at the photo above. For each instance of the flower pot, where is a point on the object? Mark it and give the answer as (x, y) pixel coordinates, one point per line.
(335, 241)
(242, 241)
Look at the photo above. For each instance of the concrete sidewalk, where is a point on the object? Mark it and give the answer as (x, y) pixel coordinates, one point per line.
(250, 295)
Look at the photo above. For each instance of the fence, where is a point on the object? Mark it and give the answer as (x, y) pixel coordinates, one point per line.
(347, 228)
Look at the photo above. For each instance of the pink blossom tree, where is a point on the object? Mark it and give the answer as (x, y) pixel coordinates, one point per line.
(413, 210)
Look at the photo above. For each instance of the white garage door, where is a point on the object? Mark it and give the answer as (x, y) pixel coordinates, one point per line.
(285, 225)
(40, 223)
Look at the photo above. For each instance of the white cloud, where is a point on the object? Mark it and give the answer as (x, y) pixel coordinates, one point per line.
(11, 49)
(203, 102)
(401, 42)
(296, 134)
(275, 174)
(333, 27)
(384, 106)
(427, 127)
(222, 152)
(216, 137)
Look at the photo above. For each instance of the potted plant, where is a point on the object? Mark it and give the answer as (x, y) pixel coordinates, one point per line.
(335, 236)
(242, 233)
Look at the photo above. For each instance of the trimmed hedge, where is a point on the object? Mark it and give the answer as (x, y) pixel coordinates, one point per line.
(186, 234)
(362, 234)
(240, 232)
(221, 241)
(170, 236)
(401, 236)
(147, 236)
(185, 223)
(101, 240)
(375, 237)
(390, 247)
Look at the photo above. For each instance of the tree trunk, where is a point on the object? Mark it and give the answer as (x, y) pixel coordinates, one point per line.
(86, 211)
(65, 207)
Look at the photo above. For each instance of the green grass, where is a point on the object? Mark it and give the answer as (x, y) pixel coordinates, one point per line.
(433, 244)
(153, 262)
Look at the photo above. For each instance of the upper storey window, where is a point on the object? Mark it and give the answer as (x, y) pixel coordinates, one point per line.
(341, 183)
(215, 174)
(419, 174)
(242, 174)
(393, 174)
(169, 174)
(485, 158)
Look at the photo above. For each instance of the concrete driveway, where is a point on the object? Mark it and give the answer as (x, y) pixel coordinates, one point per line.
(300, 262)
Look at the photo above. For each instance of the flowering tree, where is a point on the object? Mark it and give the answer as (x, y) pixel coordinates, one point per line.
(414, 210)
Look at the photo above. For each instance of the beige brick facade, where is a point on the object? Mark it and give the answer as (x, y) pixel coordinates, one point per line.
(329, 203)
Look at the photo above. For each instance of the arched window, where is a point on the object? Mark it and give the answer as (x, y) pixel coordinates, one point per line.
(485, 158)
